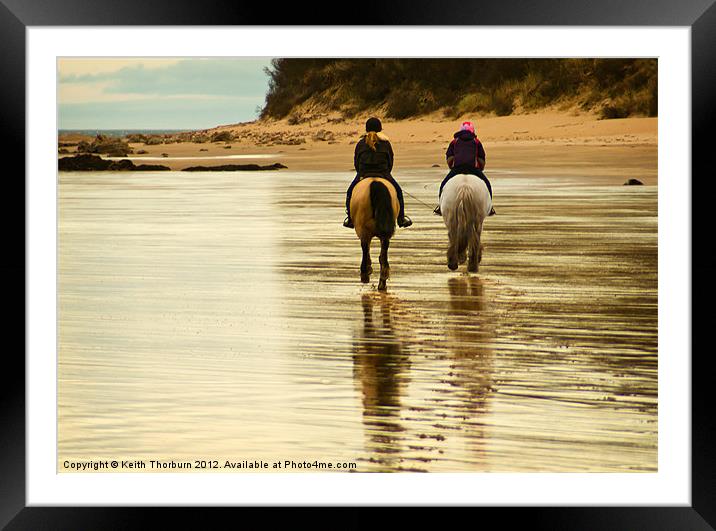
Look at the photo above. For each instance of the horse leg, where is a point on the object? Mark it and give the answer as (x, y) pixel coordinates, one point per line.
(384, 265)
(452, 253)
(462, 257)
(365, 266)
(475, 250)
(473, 262)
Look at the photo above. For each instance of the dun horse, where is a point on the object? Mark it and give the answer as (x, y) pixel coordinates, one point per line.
(374, 209)
(465, 203)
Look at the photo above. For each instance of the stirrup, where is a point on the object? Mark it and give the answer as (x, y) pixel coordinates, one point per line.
(348, 222)
(492, 212)
(437, 211)
(405, 222)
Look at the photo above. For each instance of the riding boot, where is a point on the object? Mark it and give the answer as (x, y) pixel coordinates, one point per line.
(437, 211)
(404, 221)
(492, 212)
(348, 222)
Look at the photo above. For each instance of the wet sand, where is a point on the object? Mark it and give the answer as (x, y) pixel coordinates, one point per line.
(221, 316)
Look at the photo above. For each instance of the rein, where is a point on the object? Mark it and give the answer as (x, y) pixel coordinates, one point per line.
(418, 200)
(405, 192)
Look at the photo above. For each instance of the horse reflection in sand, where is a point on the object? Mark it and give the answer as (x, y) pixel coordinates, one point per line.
(470, 333)
(380, 367)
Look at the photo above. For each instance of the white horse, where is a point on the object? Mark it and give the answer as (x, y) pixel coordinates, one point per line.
(465, 203)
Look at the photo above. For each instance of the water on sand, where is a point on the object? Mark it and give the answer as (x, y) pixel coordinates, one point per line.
(220, 316)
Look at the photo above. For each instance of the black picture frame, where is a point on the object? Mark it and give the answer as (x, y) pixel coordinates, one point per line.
(699, 15)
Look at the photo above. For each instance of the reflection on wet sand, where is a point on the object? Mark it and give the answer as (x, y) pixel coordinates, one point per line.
(381, 364)
(470, 335)
(221, 315)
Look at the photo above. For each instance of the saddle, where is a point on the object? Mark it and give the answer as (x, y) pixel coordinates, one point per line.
(371, 174)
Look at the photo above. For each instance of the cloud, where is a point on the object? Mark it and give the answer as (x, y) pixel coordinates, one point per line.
(206, 77)
(68, 66)
(159, 93)
(157, 113)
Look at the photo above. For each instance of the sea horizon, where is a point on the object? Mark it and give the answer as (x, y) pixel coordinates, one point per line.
(121, 132)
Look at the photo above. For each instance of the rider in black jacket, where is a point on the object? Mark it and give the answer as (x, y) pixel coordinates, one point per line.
(374, 158)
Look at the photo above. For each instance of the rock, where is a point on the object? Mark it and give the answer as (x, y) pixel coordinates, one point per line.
(236, 167)
(84, 162)
(142, 152)
(435, 166)
(222, 136)
(203, 149)
(121, 165)
(227, 147)
(151, 167)
(88, 162)
(136, 138)
(633, 182)
(323, 136)
(165, 155)
(114, 147)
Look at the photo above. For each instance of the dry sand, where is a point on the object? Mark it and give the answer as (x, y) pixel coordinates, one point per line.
(518, 141)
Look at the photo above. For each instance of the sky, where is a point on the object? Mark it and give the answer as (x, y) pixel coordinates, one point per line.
(166, 93)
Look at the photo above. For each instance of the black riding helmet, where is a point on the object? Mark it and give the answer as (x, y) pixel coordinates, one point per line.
(373, 124)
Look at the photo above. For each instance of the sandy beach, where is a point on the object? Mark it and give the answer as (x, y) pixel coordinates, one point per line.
(220, 316)
(527, 141)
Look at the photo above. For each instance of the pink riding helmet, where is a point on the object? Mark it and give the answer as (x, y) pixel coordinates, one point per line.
(467, 126)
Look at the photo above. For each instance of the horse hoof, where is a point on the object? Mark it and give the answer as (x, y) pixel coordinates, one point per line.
(365, 278)
(382, 285)
(472, 268)
(452, 266)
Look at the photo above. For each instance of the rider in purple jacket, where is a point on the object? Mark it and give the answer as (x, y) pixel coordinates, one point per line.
(465, 154)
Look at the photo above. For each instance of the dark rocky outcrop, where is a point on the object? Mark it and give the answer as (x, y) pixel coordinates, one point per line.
(150, 167)
(222, 136)
(136, 138)
(633, 182)
(88, 162)
(236, 167)
(114, 147)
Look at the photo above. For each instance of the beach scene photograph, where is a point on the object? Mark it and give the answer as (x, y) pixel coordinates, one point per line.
(346, 265)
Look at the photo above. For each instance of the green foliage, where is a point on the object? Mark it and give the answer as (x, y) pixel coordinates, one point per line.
(410, 87)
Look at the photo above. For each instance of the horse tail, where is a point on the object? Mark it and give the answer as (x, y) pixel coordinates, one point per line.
(382, 204)
(463, 218)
